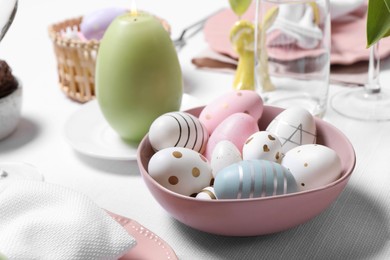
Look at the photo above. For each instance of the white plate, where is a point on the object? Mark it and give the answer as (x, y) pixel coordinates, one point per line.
(88, 132)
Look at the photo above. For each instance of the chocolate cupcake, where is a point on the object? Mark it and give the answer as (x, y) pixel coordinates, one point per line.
(8, 82)
(10, 100)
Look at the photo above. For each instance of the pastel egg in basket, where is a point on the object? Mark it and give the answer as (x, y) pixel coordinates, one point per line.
(254, 216)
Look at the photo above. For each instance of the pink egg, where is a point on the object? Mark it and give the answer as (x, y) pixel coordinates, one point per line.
(236, 129)
(242, 101)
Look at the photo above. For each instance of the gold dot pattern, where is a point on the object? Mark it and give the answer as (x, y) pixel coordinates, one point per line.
(195, 172)
(177, 154)
(239, 94)
(225, 105)
(173, 180)
(277, 156)
(305, 164)
(265, 148)
(270, 137)
(208, 116)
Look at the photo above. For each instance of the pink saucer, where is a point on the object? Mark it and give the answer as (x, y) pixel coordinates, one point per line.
(348, 39)
(149, 245)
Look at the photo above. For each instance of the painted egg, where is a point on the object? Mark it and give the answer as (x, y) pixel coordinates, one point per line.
(207, 194)
(313, 165)
(294, 126)
(243, 101)
(178, 129)
(95, 24)
(224, 154)
(262, 145)
(180, 170)
(236, 129)
(253, 179)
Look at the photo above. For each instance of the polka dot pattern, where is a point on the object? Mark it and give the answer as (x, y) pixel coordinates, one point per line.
(180, 170)
(177, 154)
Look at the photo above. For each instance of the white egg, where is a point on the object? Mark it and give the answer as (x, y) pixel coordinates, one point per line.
(207, 194)
(262, 145)
(180, 170)
(224, 154)
(294, 126)
(312, 165)
(178, 129)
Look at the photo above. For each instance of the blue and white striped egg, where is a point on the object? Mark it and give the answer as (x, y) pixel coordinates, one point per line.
(180, 170)
(253, 179)
(178, 129)
(262, 145)
(313, 165)
(207, 194)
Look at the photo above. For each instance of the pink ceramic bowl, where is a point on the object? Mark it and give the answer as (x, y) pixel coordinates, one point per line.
(259, 216)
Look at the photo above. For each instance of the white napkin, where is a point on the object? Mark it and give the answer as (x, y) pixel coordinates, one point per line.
(295, 23)
(45, 221)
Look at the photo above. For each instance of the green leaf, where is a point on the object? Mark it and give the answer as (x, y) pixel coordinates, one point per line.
(239, 7)
(378, 20)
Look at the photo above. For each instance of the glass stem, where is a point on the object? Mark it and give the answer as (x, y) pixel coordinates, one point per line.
(373, 86)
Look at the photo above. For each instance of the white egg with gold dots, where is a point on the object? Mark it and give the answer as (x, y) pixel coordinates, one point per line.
(224, 154)
(180, 170)
(262, 145)
(313, 165)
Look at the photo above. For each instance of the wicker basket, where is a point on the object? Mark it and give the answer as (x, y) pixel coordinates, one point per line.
(76, 60)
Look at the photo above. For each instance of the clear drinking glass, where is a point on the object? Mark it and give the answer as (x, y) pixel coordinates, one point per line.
(7, 13)
(371, 103)
(292, 53)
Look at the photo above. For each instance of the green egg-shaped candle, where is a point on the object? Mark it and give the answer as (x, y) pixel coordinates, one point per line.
(138, 75)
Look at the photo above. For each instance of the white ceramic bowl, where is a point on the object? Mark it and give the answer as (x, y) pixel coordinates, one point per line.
(10, 109)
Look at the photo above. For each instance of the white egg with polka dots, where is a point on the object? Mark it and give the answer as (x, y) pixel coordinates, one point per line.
(312, 165)
(224, 154)
(262, 145)
(180, 170)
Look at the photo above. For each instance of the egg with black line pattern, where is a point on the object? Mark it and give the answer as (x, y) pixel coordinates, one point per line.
(180, 170)
(178, 129)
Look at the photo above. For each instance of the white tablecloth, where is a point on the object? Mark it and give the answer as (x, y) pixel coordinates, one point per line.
(356, 226)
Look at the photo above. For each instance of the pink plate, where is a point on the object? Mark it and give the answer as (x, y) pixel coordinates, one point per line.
(258, 216)
(149, 245)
